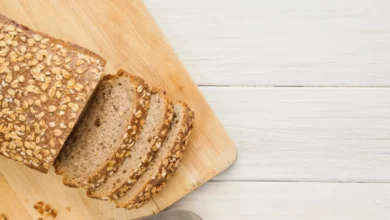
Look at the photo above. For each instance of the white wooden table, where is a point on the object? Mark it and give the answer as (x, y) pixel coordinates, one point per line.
(303, 87)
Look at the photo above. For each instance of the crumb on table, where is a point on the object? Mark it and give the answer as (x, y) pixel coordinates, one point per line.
(45, 210)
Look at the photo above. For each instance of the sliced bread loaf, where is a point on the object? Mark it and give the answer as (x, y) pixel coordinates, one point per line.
(106, 133)
(166, 161)
(45, 85)
(157, 122)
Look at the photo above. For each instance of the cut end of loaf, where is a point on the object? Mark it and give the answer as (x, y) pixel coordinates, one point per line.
(100, 132)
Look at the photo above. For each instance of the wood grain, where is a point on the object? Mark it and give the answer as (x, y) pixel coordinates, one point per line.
(306, 134)
(11, 206)
(295, 201)
(30, 187)
(125, 34)
(280, 42)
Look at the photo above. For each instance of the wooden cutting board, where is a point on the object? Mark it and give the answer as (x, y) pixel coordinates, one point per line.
(125, 34)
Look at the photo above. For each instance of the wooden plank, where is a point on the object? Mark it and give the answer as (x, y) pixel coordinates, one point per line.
(281, 201)
(125, 34)
(10, 205)
(280, 42)
(306, 134)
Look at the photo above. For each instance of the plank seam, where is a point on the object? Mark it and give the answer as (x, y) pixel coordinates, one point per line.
(309, 181)
(291, 86)
(158, 207)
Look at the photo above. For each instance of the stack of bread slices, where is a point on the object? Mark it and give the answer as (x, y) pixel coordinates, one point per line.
(113, 135)
(128, 143)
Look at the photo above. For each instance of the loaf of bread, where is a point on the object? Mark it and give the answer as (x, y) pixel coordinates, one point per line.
(117, 137)
(45, 85)
(157, 122)
(164, 164)
(106, 133)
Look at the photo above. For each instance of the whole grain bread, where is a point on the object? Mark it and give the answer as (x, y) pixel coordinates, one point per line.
(157, 122)
(166, 161)
(106, 133)
(45, 84)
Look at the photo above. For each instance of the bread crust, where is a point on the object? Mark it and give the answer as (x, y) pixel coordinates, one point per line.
(69, 45)
(41, 144)
(166, 169)
(141, 168)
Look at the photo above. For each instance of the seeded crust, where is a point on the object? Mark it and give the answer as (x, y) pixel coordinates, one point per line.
(45, 85)
(146, 159)
(166, 169)
(130, 136)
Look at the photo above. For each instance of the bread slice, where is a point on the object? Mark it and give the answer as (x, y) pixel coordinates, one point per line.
(156, 127)
(45, 85)
(165, 163)
(106, 132)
